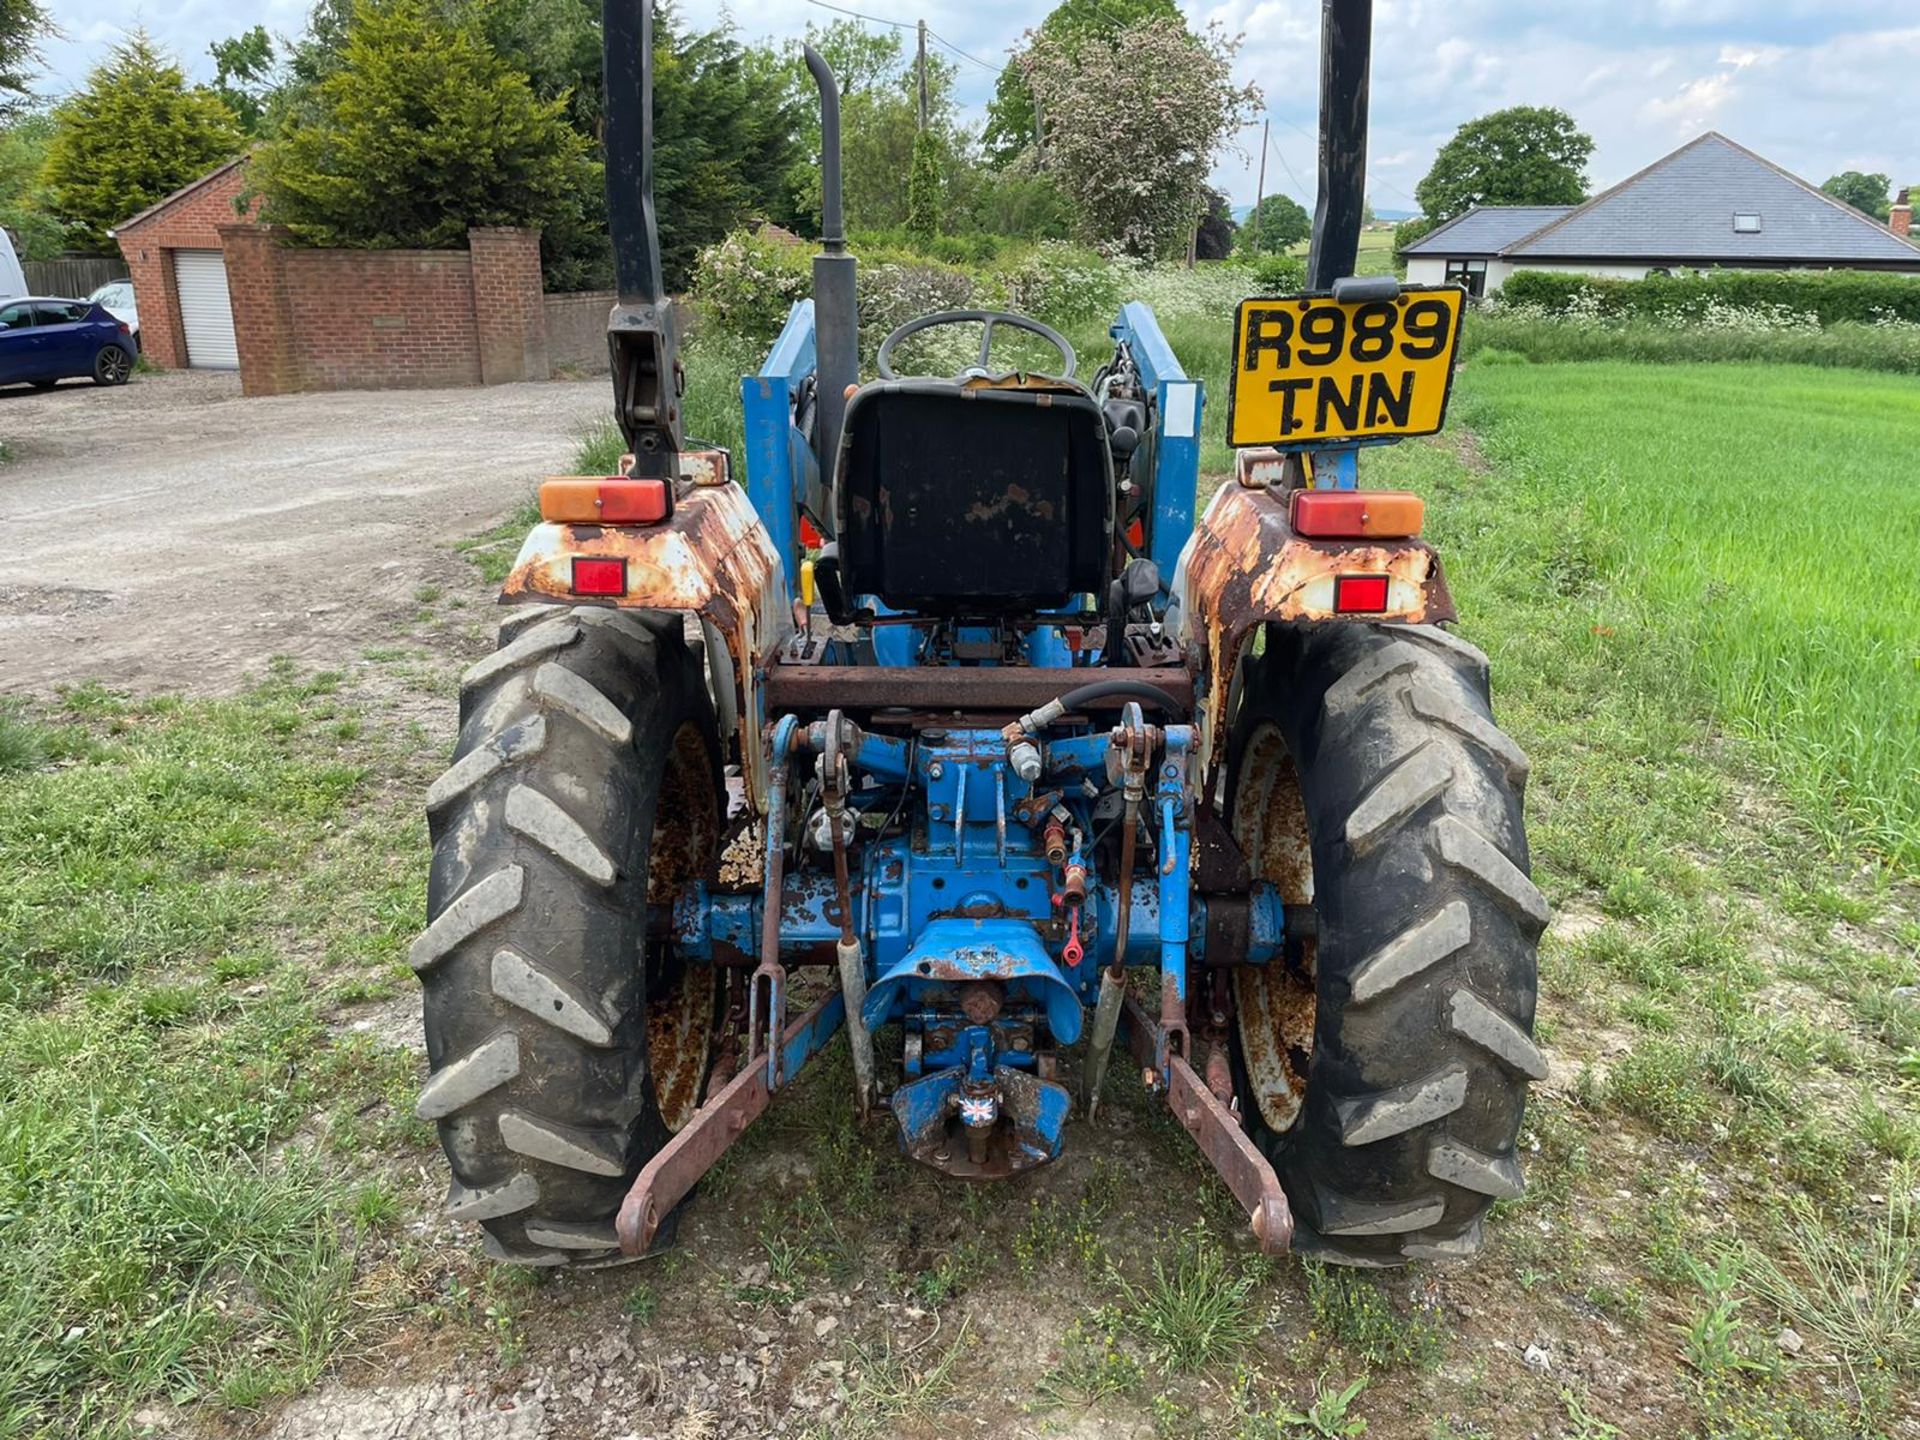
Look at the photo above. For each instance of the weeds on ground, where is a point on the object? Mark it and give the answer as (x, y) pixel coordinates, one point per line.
(1862, 1296)
(897, 1383)
(1350, 1308)
(1327, 1416)
(1201, 1311)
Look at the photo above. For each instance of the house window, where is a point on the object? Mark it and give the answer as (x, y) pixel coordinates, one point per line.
(1746, 222)
(1470, 273)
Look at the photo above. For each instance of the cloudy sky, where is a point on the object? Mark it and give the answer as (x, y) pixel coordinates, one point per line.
(1816, 85)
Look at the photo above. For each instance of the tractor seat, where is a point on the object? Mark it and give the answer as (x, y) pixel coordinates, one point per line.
(975, 496)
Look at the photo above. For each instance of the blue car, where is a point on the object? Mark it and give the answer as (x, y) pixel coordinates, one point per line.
(44, 341)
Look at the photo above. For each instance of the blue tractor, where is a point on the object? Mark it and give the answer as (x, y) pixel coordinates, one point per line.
(940, 718)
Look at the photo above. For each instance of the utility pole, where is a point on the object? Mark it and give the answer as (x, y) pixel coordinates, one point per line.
(923, 74)
(1260, 186)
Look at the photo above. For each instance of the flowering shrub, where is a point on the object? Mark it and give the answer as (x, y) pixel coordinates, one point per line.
(1060, 283)
(744, 284)
(893, 292)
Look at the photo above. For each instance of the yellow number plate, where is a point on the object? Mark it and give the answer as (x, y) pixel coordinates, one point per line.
(1307, 369)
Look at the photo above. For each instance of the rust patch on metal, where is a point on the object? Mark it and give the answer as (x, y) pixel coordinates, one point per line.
(680, 1026)
(679, 1164)
(712, 557)
(1245, 566)
(1235, 1158)
(1276, 1002)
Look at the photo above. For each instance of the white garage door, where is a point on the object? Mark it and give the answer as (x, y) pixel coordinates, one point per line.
(205, 312)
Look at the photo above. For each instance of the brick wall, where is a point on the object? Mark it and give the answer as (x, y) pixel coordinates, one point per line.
(385, 319)
(1901, 220)
(190, 219)
(577, 330)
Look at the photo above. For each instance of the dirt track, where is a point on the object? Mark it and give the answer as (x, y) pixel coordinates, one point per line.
(172, 535)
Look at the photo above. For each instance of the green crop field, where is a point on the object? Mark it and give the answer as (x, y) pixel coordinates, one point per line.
(1748, 531)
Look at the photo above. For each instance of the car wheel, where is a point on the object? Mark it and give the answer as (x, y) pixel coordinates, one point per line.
(112, 366)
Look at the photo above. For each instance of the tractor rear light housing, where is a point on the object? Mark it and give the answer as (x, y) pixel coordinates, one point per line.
(1359, 594)
(599, 575)
(589, 500)
(1357, 514)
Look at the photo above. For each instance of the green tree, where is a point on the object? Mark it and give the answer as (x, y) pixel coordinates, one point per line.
(137, 132)
(418, 132)
(1526, 155)
(1408, 231)
(1280, 222)
(25, 208)
(244, 75)
(1865, 193)
(23, 25)
(1071, 25)
(880, 126)
(923, 189)
(1214, 238)
(727, 125)
(1133, 128)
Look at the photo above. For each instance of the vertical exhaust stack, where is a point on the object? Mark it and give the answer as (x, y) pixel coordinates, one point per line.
(647, 379)
(836, 315)
(1346, 42)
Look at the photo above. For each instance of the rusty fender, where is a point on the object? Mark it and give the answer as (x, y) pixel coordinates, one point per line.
(1245, 566)
(711, 558)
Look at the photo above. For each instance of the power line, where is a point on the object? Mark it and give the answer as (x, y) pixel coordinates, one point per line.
(876, 19)
(941, 40)
(932, 34)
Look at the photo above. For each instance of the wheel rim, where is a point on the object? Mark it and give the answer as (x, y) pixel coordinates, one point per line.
(113, 365)
(681, 1008)
(1275, 1002)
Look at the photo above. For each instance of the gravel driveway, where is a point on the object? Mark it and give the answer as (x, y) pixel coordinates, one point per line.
(173, 535)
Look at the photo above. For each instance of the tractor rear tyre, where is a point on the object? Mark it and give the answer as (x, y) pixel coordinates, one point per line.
(1384, 1067)
(563, 1045)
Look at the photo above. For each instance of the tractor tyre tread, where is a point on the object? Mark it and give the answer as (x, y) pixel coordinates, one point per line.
(537, 901)
(1428, 924)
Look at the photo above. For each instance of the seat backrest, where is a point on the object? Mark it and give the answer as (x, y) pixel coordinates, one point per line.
(971, 498)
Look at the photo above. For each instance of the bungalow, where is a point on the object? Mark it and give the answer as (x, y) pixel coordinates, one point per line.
(1711, 204)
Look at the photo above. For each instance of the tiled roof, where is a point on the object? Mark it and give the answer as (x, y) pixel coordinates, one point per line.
(1486, 229)
(1683, 207)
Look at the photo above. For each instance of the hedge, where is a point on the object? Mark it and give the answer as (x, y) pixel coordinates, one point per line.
(1830, 295)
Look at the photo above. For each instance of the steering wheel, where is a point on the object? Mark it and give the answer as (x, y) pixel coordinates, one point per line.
(987, 318)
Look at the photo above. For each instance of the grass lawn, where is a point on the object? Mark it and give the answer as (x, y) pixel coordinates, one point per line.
(1747, 532)
(213, 1194)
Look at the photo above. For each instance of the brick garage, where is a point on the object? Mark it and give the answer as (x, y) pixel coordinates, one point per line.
(305, 319)
(187, 220)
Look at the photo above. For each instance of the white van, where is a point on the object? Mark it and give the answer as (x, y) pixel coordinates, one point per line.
(13, 280)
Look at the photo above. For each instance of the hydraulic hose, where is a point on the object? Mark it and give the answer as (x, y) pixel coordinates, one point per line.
(1038, 720)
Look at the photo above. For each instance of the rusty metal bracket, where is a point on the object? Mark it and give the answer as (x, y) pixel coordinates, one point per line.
(678, 1165)
(1216, 1130)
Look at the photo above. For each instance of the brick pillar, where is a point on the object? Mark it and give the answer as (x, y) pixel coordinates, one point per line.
(509, 308)
(1901, 220)
(163, 341)
(262, 320)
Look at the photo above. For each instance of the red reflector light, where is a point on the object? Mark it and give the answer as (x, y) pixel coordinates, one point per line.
(618, 501)
(1359, 594)
(1357, 514)
(599, 575)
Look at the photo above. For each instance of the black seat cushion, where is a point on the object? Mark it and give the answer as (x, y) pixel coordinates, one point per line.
(972, 500)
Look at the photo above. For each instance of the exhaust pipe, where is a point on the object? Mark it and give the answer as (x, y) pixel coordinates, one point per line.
(1346, 42)
(641, 344)
(836, 315)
